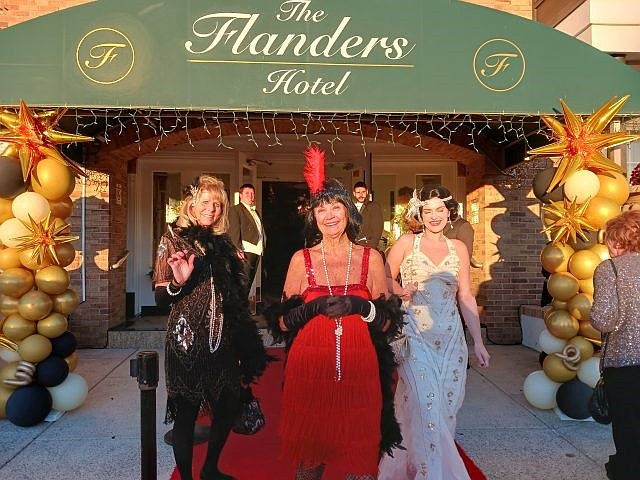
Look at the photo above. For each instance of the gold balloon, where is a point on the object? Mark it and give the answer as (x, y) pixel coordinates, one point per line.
(601, 250)
(52, 326)
(5, 393)
(614, 186)
(66, 302)
(72, 361)
(61, 208)
(53, 280)
(558, 304)
(17, 328)
(588, 332)
(581, 186)
(32, 261)
(584, 345)
(9, 258)
(583, 263)
(562, 286)
(5, 209)
(35, 348)
(601, 210)
(15, 282)
(556, 370)
(586, 285)
(35, 305)
(555, 257)
(547, 314)
(66, 253)
(8, 305)
(580, 306)
(563, 325)
(7, 372)
(52, 179)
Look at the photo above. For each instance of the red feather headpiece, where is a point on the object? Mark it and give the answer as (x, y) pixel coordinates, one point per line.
(314, 168)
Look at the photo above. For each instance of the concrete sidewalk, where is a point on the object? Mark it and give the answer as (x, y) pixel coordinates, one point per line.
(506, 437)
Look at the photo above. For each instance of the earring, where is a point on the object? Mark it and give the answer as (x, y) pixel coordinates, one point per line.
(450, 224)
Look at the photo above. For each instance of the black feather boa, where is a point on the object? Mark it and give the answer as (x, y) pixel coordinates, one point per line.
(390, 308)
(231, 280)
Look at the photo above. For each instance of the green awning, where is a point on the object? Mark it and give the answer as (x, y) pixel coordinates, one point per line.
(356, 56)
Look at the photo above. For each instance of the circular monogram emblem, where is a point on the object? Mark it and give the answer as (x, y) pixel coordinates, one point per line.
(499, 65)
(105, 56)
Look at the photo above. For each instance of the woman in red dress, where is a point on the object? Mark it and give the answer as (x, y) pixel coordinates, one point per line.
(337, 404)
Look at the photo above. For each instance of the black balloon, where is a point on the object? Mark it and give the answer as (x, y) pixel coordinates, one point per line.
(541, 357)
(11, 183)
(28, 405)
(541, 182)
(573, 399)
(64, 345)
(52, 371)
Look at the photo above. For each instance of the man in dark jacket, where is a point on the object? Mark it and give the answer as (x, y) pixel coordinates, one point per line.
(372, 222)
(246, 230)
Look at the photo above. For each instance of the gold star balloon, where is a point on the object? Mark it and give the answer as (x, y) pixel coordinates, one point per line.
(579, 142)
(569, 222)
(43, 238)
(35, 136)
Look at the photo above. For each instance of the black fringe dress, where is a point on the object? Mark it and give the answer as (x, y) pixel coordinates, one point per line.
(212, 343)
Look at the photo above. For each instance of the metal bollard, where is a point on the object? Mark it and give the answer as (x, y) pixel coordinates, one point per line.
(145, 368)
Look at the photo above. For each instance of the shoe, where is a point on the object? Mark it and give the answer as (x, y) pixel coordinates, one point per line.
(217, 475)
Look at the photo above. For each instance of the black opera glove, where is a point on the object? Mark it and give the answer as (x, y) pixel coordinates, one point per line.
(339, 306)
(297, 317)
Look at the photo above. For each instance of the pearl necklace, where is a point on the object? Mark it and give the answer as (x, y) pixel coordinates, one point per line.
(338, 321)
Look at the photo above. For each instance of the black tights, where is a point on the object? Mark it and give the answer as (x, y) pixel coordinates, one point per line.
(186, 416)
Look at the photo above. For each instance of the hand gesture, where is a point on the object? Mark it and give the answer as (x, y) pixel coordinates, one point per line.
(481, 355)
(181, 266)
(408, 291)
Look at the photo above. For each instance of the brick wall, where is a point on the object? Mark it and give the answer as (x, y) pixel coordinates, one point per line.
(523, 8)
(104, 237)
(13, 11)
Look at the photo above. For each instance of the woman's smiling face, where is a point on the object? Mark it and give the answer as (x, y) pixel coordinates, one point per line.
(331, 218)
(207, 211)
(435, 215)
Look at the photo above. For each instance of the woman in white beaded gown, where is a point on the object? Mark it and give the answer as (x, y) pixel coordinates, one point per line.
(435, 278)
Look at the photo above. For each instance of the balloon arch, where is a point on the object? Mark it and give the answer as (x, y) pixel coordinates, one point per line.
(579, 194)
(36, 181)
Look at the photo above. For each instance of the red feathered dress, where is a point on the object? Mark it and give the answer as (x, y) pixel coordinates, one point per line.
(324, 420)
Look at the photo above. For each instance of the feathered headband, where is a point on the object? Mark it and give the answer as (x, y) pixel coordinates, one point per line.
(414, 205)
(321, 188)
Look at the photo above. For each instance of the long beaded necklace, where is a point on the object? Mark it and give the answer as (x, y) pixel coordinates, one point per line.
(338, 321)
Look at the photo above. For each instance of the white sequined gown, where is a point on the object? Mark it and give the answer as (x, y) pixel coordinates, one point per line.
(432, 379)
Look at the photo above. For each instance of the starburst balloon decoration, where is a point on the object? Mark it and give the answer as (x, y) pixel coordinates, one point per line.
(579, 142)
(43, 238)
(570, 221)
(35, 136)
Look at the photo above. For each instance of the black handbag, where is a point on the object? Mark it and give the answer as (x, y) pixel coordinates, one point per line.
(598, 404)
(251, 419)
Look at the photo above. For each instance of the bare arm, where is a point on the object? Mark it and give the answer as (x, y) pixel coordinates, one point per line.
(468, 305)
(400, 249)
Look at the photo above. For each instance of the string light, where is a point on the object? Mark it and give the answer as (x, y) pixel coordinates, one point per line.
(392, 128)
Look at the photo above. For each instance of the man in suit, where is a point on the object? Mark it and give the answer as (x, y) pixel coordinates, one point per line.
(246, 230)
(372, 222)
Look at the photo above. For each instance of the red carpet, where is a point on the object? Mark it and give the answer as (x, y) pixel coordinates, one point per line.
(254, 457)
